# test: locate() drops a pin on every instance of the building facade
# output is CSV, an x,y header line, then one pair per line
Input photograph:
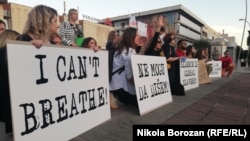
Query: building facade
x,y
178,19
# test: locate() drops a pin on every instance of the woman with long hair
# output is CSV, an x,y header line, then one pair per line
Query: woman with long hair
x,y
173,64
40,25
122,82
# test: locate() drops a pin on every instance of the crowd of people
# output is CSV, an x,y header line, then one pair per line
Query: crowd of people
x,y
42,28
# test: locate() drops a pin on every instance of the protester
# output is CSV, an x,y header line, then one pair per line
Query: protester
x,y
2,26
111,38
227,65
8,34
173,65
4,82
56,39
201,55
41,23
181,48
70,31
91,43
112,42
122,83
154,48
190,52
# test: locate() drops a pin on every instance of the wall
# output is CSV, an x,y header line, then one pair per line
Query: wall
x,y
98,31
18,16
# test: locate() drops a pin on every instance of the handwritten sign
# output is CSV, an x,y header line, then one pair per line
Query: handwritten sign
x,y
142,29
132,21
203,75
189,73
151,82
216,68
56,93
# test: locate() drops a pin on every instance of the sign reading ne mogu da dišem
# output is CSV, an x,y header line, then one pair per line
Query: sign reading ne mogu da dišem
x,y
151,82
58,92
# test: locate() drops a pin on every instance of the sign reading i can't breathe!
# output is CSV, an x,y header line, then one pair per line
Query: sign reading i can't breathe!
x,y
56,92
151,82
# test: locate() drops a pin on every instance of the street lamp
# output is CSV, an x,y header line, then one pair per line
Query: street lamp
x,y
247,42
245,20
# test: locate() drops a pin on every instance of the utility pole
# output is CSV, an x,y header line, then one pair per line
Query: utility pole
x,y
238,61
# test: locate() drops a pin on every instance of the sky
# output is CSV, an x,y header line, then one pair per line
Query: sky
x,y
218,14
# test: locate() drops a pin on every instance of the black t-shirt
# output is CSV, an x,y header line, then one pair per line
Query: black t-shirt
x,y
24,37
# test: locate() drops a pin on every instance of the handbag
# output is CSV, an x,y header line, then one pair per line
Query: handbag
x,y
168,63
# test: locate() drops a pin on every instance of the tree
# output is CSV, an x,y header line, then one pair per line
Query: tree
x,y
202,44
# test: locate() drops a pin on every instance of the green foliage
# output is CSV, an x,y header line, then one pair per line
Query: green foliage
x,y
202,44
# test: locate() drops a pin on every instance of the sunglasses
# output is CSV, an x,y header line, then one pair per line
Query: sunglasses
x,y
158,41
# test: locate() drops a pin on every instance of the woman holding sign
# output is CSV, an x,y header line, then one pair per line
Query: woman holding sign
x,y
173,65
122,82
91,43
40,25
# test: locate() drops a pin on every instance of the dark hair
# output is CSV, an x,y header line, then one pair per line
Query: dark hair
x,y
2,22
180,41
199,54
162,29
189,50
87,40
226,51
127,40
167,38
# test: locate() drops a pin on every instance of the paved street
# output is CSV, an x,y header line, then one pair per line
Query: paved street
x,y
224,101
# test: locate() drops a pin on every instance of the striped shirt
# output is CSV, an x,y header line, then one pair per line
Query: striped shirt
x,y
69,32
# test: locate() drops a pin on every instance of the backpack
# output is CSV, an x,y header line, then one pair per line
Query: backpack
x,y
111,52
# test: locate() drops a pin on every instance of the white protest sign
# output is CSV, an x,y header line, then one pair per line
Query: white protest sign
x,y
216,68
132,21
142,29
189,73
57,93
151,82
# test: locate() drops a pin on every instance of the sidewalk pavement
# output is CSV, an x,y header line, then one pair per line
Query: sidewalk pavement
x,y
224,101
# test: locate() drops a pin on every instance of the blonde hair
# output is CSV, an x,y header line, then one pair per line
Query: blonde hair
x,y
8,34
39,20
